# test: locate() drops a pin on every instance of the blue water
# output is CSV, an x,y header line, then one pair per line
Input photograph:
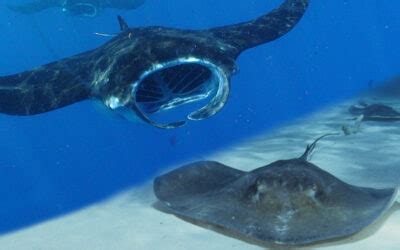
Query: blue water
x,y
62,161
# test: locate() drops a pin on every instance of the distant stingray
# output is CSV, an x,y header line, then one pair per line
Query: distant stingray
x,y
287,202
86,8
375,112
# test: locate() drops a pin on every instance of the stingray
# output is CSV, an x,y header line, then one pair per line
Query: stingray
x,y
375,112
85,8
287,202
145,71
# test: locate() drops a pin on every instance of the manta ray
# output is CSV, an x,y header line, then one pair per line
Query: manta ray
x,y
87,8
147,70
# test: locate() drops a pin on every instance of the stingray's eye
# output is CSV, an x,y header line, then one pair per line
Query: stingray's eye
x,y
170,90
82,9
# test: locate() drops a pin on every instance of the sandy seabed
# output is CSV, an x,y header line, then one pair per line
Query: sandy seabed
x,y
128,220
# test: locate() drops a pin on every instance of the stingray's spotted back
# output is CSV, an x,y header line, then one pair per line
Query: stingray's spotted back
x,y
290,202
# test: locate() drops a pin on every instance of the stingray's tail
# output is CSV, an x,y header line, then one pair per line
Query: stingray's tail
x,y
310,147
265,28
34,6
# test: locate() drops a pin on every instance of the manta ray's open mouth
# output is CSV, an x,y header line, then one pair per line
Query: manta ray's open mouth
x,y
170,85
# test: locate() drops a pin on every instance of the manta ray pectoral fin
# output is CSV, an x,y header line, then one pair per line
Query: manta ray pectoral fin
x,y
46,88
34,6
265,28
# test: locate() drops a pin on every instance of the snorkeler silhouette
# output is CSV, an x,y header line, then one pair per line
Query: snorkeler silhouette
x,y
85,8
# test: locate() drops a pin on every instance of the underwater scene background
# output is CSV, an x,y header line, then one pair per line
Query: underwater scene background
x,y
58,162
